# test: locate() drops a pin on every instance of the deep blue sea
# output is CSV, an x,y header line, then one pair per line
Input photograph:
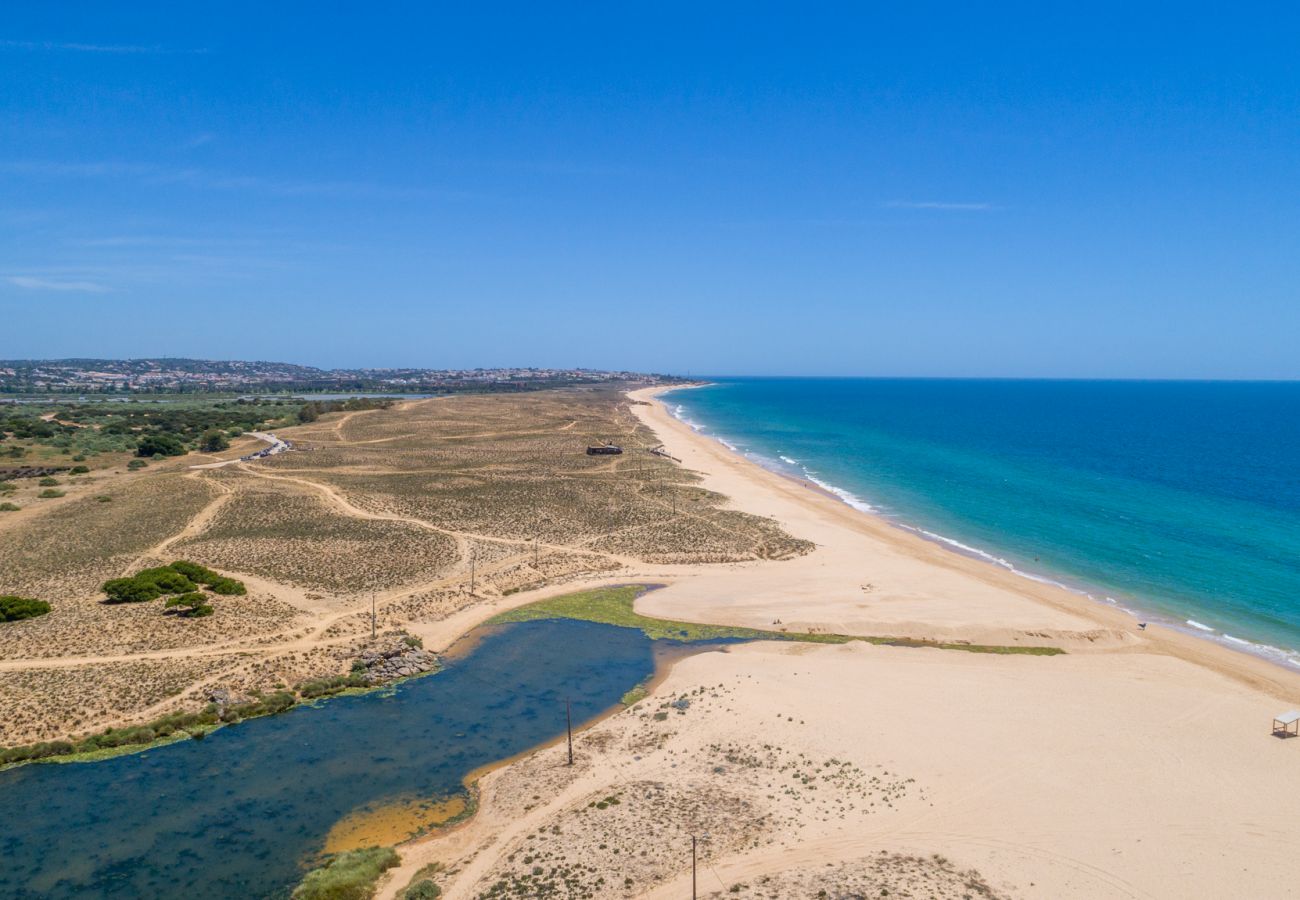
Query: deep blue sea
x,y
1178,500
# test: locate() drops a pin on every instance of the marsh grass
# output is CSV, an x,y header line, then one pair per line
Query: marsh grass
x,y
347,876
614,606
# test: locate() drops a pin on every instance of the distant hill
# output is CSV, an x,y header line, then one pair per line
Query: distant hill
x,y
176,374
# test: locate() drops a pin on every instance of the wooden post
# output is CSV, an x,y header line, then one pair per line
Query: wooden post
x,y
568,725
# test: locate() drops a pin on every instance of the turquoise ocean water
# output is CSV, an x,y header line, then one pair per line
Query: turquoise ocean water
x,y
1177,500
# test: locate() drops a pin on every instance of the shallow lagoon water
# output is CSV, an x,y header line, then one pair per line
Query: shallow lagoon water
x,y
246,810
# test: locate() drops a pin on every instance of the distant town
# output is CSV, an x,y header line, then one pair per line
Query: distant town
x,y
175,375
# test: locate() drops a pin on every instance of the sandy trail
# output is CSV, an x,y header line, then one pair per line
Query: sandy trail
x,y
201,520
336,499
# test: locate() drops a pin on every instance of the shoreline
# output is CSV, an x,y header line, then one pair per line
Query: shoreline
x,y
1240,663
1286,658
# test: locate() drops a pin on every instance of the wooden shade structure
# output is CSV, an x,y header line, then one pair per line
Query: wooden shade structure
x,y
1287,724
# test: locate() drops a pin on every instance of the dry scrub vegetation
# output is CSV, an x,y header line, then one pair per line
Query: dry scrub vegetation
x,y
883,875
672,767
397,502
278,532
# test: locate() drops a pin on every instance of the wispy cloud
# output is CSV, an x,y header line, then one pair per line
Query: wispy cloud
x,y
33,283
940,204
54,169
77,47
206,179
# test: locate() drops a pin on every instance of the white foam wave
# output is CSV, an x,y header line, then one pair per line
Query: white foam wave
x,y
848,497
1267,651
968,550
679,413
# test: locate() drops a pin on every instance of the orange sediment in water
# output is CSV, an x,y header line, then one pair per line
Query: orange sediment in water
x,y
392,823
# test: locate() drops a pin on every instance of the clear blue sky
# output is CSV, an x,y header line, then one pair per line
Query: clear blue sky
x,y
714,188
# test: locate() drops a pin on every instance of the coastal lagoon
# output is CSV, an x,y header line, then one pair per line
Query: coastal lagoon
x,y
1179,500
245,811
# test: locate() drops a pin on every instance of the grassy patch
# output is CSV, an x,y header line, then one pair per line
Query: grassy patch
x,y
613,606
422,885
636,695
347,876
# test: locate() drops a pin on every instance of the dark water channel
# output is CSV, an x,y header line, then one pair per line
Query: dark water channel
x,y
241,813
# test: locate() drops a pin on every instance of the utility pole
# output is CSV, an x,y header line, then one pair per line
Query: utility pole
x,y
372,615
568,725
692,867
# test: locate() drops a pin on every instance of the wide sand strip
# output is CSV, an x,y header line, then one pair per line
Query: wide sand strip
x,y
1139,764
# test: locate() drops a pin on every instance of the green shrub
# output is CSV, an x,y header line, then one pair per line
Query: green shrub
x,y
14,608
213,441
159,445
228,587
50,494
219,584
347,876
193,571
190,606
421,890
166,579
323,687
136,464
79,470
103,498
129,590
7,487
43,750
9,507
47,481
180,577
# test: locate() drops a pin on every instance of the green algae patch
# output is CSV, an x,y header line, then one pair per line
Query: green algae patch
x,y
614,606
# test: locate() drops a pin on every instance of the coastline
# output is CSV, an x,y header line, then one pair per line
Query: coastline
x,y
1197,642
1129,766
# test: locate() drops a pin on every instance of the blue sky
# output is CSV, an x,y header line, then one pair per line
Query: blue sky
x,y
707,188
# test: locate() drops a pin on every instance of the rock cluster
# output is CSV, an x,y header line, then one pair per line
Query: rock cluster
x,y
396,661
223,697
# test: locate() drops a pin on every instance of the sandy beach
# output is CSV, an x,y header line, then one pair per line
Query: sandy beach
x,y
1137,764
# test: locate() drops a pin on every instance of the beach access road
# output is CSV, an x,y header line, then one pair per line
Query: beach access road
x,y
276,446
